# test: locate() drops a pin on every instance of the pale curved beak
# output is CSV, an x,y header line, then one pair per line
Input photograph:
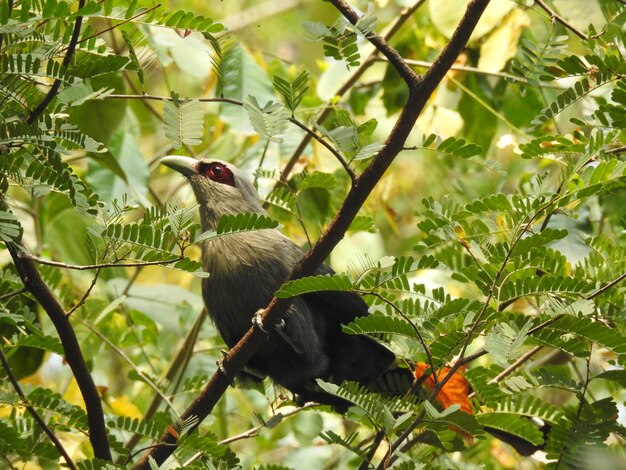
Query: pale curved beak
x,y
184,165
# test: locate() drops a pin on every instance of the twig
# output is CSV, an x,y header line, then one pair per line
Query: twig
x,y
86,294
54,89
255,430
559,19
33,412
513,367
420,338
616,150
129,361
73,355
252,432
13,294
378,438
381,45
465,68
87,267
603,289
330,148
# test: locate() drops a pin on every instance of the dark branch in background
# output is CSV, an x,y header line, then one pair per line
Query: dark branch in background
x,y
33,412
420,90
54,89
73,355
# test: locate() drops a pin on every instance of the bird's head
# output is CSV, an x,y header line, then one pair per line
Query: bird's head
x,y
220,188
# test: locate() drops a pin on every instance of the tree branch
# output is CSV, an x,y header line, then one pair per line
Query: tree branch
x,y
73,355
419,93
33,412
54,89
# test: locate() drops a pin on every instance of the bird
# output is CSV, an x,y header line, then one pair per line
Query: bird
x,y
247,268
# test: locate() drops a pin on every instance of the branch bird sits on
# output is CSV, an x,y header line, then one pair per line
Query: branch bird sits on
x,y
246,268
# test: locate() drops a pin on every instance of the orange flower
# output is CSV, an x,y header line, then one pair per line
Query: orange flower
x,y
456,390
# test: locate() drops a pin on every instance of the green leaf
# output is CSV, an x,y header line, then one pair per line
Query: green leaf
x,y
183,122
505,341
234,223
378,409
304,285
10,227
293,91
242,77
512,424
453,417
380,324
270,121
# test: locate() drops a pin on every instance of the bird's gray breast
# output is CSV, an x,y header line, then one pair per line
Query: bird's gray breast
x,y
245,269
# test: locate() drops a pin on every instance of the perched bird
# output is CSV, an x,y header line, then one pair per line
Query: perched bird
x,y
247,268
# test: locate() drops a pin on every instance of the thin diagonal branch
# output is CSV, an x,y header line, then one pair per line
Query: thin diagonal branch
x,y
86,294
54,89
130,362
33,412
8,295
117,25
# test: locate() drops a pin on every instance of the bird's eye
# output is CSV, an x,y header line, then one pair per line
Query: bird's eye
x,y
219,173
217,170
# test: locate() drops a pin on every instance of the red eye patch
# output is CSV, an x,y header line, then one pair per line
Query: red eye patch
x,y
217,172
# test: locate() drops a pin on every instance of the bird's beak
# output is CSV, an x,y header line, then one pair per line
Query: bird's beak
x,y
184,165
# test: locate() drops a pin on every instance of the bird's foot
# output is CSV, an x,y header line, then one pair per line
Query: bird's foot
x,y
257,320
220,366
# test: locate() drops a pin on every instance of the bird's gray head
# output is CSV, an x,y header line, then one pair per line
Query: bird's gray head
x,y
220,188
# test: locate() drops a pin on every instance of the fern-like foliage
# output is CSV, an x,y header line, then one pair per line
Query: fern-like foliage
x,y
378,408
293,91
534,60
235,223
340,41
183,122
335,282
270,120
